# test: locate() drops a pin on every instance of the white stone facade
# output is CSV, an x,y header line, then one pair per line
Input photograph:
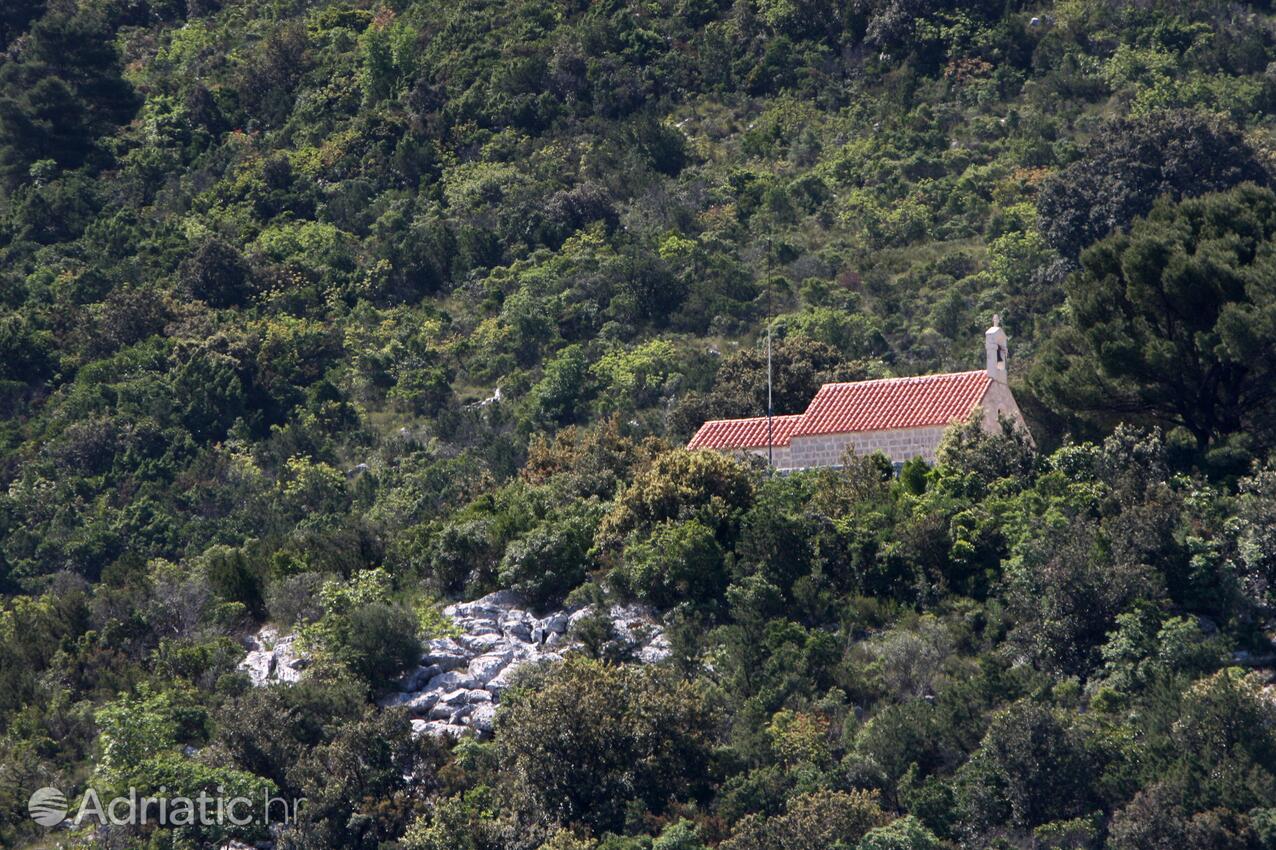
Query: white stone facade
x,y
829,450
998,402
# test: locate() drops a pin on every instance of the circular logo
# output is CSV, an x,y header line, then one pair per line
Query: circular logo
x,y
47,807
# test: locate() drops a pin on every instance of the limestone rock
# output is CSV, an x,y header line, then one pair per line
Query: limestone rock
x,y
455,689
556,623
484,668
498,641
452,681
445,653
272,657
438,728
481,719
655,651
415,680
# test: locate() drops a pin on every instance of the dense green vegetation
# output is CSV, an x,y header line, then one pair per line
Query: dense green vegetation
x,y
265,265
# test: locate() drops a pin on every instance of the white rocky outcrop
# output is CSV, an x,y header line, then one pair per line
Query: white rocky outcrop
x,y
272,657
460,680
455,688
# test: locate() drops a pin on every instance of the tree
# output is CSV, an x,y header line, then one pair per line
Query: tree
x,y
664,148
1132,162
210,392
970,458
800,366
48,121
172,775
906,833
422,388
1065,589
680,485
851,334
820,820
676,562
557,396
127,316
16,16
1153,820
1156,820
585,742
26,352
1224,742
356,784
1031,768
267,730
80,48
217,274
133,731
1175,321
64,91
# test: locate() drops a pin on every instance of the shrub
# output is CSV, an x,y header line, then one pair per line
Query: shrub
x,y
548,562
677,561
680,485
818,820
362,631
906,833
587,742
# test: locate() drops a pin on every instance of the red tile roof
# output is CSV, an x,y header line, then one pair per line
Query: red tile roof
x,y
881,405
893,403
744,433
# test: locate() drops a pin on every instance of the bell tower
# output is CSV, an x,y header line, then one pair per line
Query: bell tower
x,y
995,350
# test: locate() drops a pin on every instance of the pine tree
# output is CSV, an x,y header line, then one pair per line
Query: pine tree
x,y
1176,320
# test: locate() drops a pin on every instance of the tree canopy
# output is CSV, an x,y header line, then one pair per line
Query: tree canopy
x,y
1176,320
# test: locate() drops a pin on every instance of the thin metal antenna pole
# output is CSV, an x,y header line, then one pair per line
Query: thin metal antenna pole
x,y
770,459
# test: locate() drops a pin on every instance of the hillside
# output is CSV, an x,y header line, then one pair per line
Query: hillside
x,y
323,315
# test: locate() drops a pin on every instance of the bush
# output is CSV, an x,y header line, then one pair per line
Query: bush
x,y
382,642
815,821
362,631
295,599
587,742
679,835
677,561
233,578
549,561
217,274
1031,768
461,553
906,833
462,822
708,486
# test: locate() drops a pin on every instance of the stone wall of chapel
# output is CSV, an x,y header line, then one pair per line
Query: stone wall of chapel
x,y
999,400
899,445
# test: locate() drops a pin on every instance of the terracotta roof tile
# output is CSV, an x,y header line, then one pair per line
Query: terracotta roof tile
x,y
893,403
744,433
